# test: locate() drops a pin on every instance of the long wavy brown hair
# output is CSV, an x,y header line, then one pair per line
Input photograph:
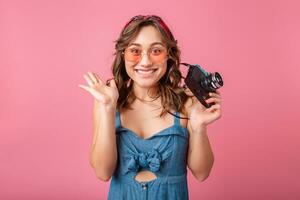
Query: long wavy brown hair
x,y
173,95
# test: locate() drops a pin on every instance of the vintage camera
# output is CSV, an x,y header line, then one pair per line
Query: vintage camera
x,y
201,82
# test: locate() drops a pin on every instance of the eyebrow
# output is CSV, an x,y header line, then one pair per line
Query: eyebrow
x,y
154,43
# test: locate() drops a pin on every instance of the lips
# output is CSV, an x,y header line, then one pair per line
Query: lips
x,y
145,72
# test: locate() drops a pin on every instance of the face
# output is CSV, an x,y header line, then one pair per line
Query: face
x,y
146,58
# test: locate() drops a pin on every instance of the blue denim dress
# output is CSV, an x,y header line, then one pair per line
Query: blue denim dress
x,y
164,154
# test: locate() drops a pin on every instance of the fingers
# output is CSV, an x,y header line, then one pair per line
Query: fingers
x,y
214,107
84,87
215,110
97,78
213,100
96,87
88,80
218,92
111,82
215,94
92,78
89,89
93,92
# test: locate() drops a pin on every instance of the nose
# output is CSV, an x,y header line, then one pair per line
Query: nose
x,y
145,61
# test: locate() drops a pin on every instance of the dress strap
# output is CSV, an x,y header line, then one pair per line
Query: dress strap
x,y
177,119
118,120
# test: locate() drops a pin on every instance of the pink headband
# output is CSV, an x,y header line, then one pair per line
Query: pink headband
x,y
151,17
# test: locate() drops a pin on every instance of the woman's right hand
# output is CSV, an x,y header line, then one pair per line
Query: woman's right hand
x,y
106,95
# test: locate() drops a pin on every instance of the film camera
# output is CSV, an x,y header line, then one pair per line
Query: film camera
x,y
201,82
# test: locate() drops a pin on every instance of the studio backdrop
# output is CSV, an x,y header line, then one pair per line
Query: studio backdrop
x,y
46,119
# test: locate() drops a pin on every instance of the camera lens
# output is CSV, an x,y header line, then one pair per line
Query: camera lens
x,y
213,81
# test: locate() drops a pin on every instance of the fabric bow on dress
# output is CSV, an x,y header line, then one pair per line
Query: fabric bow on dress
x,y
151,160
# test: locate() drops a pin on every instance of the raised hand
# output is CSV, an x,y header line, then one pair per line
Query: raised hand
x,y
107,95
201,116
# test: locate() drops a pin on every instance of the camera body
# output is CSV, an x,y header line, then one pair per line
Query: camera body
x,y
201,82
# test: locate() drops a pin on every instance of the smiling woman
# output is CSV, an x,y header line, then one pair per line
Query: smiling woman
x,y
149,52
146,67
142,138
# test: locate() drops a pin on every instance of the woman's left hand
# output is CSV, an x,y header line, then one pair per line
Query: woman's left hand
x,y
200,116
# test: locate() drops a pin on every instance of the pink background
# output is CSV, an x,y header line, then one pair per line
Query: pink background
x,y
46,119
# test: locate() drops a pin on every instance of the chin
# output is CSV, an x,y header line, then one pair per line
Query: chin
x,y
145,83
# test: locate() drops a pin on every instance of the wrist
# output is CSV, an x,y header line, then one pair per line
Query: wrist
x,y
107,108
201,128
103,107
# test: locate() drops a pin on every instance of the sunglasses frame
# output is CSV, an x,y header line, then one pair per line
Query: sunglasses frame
x,y
148,54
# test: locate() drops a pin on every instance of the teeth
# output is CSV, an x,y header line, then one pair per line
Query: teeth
x,y
145,71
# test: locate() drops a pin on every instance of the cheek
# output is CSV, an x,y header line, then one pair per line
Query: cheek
x,y
163,68
129,68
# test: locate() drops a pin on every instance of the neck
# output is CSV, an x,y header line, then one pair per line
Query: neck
x,y
145,94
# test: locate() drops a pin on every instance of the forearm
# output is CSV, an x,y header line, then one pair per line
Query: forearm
x,y
103,156
200,155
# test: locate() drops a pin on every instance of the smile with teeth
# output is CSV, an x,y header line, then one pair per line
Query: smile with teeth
x,y
148,71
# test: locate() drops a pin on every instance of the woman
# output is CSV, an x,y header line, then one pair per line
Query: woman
x,y
147,127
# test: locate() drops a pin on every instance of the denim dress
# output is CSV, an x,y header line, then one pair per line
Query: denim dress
x,y
164,154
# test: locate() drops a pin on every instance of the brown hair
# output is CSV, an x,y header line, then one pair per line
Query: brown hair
x,y
172,94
